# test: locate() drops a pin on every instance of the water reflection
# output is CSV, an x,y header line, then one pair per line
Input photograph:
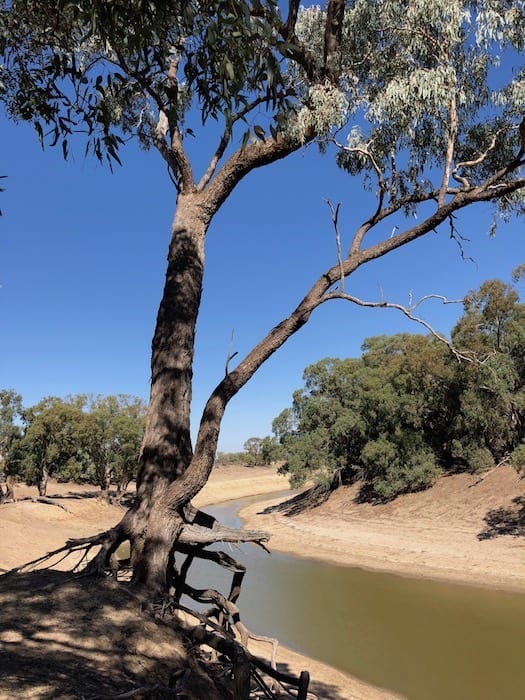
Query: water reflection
x,y
426,640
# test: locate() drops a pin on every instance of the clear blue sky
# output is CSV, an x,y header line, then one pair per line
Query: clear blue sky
x,y
82,255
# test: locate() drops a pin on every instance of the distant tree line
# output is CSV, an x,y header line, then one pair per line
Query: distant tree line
x,y
79,438
409,409
257,452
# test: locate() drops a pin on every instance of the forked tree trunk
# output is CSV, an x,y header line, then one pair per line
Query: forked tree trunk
x,y
170,475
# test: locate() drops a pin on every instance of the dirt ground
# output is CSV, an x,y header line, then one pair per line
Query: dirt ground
x,y
64,638
68,638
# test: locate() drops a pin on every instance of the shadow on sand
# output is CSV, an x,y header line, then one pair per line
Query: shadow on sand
x,y
505,521
64,636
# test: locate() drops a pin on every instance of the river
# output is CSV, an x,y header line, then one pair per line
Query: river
x,y
424,639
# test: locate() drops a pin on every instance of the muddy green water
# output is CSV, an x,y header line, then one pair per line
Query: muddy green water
x,y
423,639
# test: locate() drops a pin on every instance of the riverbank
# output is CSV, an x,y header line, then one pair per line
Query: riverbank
x,y
463,530
29,529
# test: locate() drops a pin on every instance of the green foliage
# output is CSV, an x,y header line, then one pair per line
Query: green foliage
x,y
253,447
226,458
96,439
10,429
118,424
489,393
407,408
270,450
55,440
517,458
109,68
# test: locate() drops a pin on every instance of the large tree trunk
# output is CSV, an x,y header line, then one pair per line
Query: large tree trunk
x,y
170,475
153,526
166,449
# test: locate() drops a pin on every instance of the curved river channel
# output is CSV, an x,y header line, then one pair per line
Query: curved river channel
x,y
423,639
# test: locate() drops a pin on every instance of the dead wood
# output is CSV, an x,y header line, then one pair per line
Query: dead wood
x,y
306,500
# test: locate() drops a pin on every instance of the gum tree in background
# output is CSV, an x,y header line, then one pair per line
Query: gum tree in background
x,y
10,431
55,441
118,429
398,91
406,410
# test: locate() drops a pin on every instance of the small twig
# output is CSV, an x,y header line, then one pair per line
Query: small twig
x,y
229,354
123,696
334,212
456,236
408,312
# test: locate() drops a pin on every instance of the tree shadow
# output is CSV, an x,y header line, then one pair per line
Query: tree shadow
x,y
77,495
65,636
505,521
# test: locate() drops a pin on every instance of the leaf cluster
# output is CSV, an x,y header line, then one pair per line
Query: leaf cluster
x,y
108,69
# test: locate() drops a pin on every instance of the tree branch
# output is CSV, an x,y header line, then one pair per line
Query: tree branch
x,y
184,170
333,33
476,161
295,50
225,140
246,159
334,213
198,471
452,133
408,312
159,139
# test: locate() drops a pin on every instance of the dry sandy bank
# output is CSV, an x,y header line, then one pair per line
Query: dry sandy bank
x,y
464,530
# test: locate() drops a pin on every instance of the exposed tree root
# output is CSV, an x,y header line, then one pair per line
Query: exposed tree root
x,y
308,499
219,630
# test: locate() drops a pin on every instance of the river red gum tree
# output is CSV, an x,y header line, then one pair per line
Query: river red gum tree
x,y
409,78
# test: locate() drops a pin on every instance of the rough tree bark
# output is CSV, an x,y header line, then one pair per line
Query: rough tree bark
x,y
42,482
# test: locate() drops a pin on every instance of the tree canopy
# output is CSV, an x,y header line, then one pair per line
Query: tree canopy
x,y
94,439
408,409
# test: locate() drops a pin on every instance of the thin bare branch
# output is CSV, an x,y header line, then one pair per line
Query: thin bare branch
x,y
366,154
356,242
229,354
159,139
382,214
408,311
334,212
475,161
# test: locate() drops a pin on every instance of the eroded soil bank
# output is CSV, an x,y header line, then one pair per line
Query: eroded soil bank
x,y
465,529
